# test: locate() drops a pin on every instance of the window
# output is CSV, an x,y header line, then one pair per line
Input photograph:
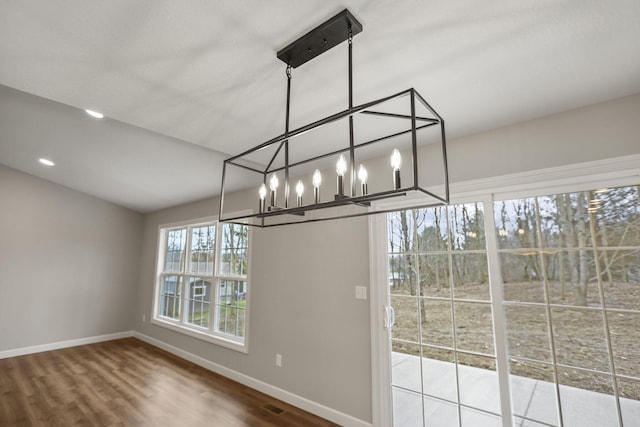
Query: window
x,y
202,281
538,317
569,266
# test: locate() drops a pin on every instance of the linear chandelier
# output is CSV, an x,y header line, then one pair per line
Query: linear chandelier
x,y
364,148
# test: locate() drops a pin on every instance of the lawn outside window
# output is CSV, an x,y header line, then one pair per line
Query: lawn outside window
x,y
202,282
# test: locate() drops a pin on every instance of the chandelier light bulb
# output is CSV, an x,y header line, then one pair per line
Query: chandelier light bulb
x,y
299,191
341,169
262,192
317,179
273,182
273,185
341,165
396,163
362,176
396,159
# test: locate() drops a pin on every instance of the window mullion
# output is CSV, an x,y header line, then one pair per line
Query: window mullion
x,y
552,342
185,275
605,316
495,285
454,331
212,306
216,272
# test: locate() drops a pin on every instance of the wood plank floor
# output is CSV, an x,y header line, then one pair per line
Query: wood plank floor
x,y
130,383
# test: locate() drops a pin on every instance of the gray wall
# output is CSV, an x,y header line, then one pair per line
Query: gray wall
x,y
69,263
606,130
303,276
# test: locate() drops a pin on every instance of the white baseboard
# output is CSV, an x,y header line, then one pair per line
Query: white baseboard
x,y
288,397
64,344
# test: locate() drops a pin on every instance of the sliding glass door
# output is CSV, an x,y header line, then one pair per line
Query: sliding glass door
x,y
522,311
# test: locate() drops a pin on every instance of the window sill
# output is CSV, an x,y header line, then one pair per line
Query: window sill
x,y
231,344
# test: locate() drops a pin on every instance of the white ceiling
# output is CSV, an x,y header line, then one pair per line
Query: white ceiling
x,y
185,84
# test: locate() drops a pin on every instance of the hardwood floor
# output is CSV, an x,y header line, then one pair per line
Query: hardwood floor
x,y
130,383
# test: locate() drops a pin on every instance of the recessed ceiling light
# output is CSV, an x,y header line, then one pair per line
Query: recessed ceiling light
x,y
94,114
46,162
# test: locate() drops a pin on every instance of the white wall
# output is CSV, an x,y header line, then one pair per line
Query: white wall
x,y
69,263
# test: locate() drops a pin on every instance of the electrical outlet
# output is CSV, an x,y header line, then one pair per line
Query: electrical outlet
x,y
361,292
279,360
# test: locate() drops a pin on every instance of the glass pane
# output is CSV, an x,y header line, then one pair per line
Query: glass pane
x,y
533,392
432,229
624,330
516,223
565,220
402,274
175,250
406,325
474,327
586,398
471,276
405,366
527,332
407,408
579,338
520,422
170,297
235,244
400,232
478,382
434,275
617,216
437,326
621,278
467,227
471,418
630,389
202,249
197,302
439,373
572,278
231,307
521,276
629,400
438,413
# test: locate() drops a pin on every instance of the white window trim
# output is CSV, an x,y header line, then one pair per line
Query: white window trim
x,y
615,172
240,345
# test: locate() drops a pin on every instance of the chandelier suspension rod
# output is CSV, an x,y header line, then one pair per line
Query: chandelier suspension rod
x,y
352,155
286,141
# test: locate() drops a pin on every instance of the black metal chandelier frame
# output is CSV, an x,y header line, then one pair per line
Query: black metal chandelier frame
x,y
332,32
